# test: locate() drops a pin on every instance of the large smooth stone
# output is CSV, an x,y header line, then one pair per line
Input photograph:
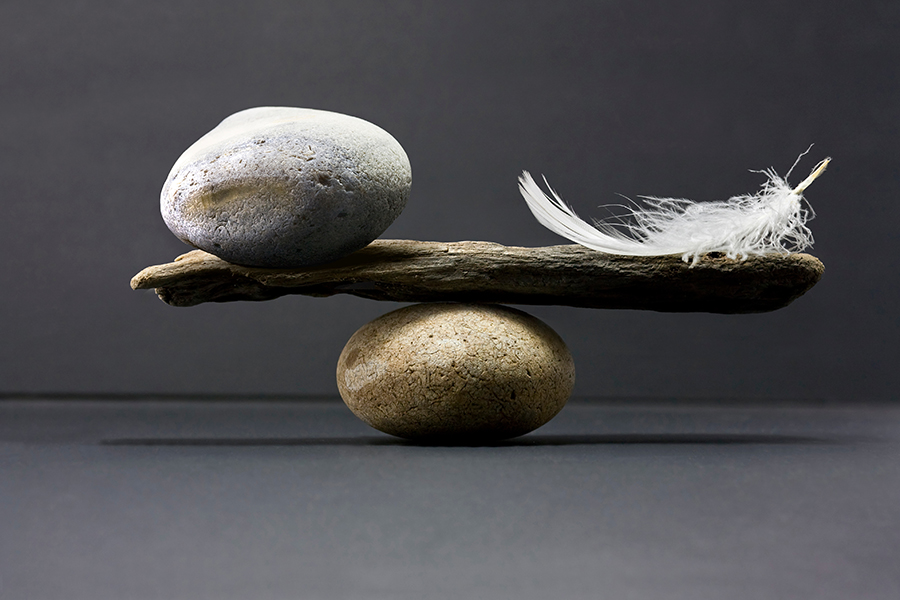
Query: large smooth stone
x,y
286,187
455,373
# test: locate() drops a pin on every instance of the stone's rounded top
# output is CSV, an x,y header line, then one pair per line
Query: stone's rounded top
x,y
286,187
274,121
455,373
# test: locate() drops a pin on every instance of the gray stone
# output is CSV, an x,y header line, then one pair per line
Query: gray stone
x,y
569,275
286,187
455,373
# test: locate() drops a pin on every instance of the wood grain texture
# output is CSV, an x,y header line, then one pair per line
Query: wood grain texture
x,y
569,275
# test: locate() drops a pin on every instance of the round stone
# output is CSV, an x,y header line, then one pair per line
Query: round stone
x,y
455,373
286,187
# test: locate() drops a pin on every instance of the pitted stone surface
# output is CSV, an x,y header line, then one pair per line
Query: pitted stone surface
x,y
455,373
286,187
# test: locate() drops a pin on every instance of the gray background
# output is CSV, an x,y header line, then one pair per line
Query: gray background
x,y
99,98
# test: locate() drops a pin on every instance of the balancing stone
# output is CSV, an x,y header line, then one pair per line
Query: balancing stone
x,y
286,187
455,373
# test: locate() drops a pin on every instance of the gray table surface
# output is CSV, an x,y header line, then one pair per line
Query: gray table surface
x,y
168,499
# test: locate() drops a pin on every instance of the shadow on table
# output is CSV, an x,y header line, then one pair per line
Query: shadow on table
x,y
531,440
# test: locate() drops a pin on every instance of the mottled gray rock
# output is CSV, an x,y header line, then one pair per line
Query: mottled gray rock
x,y
455,373
569,275
286,187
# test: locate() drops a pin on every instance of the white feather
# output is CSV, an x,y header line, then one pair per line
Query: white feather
x,y
772,220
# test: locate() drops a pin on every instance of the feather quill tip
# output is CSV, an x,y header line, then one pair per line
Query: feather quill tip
x,y
817,170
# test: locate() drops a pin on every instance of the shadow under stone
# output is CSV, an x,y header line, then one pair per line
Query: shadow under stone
x,y
536,440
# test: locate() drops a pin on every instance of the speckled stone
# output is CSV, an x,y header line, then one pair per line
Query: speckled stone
x,y
455,373
286,187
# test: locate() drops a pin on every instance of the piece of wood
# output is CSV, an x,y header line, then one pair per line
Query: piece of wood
x,y
569,275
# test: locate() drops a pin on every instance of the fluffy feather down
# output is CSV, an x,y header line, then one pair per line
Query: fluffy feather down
x,y
772,220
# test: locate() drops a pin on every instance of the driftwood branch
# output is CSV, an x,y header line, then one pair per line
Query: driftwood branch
x,y
570,275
